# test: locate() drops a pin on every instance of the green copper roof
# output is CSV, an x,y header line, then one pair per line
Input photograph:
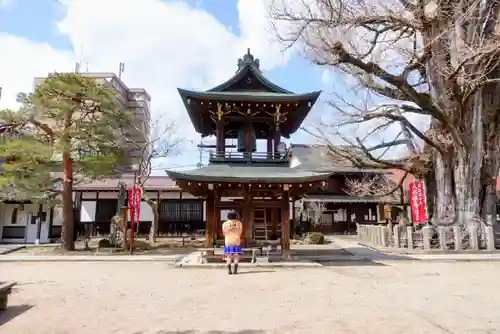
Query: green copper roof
x,y
248,65
216,172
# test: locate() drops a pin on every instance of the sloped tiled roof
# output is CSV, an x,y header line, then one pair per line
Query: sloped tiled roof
x,y
248,173
317,158
152,183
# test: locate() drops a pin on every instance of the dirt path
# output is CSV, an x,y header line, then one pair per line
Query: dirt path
x,y
126,298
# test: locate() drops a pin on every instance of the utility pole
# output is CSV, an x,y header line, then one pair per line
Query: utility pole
x,y
121,69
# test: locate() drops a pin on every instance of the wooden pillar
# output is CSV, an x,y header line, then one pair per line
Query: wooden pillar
x,y
217,228
274,220
285,224
220,145
269,144
294,219
247,217
210,212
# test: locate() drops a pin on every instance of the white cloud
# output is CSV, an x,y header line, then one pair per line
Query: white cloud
x,y
164,45
6,3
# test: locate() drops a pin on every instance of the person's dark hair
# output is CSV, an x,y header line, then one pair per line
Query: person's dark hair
x,y
232,215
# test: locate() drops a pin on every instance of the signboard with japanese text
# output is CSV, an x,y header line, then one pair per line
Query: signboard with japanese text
x,y
417,202
134,203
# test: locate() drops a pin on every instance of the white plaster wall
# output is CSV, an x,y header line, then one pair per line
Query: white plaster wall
x,y
58,216
89,195
21,215
172,194
146,213
204,210
188,196
88,211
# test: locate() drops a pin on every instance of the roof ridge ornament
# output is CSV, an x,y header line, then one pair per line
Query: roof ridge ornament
x,y
248,59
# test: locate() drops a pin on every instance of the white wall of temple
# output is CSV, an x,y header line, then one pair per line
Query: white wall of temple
x,y
89,203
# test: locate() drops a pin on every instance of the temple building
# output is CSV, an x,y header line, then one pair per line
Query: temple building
x,y
340,210
261,186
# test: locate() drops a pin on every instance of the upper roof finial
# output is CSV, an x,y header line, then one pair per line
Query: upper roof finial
x,y
248,59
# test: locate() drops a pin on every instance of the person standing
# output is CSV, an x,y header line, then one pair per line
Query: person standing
x,y
232,230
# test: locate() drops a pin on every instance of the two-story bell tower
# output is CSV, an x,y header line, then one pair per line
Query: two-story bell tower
x,y
259,185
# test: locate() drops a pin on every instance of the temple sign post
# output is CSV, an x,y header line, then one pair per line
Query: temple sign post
x,y
220,137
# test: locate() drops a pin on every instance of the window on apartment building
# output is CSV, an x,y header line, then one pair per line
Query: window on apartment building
x,y
13,217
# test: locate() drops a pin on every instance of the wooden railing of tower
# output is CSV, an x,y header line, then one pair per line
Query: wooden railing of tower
x,y
249,156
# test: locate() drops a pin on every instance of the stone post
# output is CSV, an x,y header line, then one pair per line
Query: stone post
x,y
379,235
473,241
490,238
426,237
384,235
409,237
442,238
457,237
359,232
397,244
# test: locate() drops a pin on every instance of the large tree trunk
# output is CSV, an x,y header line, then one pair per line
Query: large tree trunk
x,y
67,236
444,202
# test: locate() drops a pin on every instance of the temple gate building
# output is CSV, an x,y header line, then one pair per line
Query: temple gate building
x,y
259,185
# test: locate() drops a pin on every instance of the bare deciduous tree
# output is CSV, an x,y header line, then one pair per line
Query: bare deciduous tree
x,y
427,61
163,143
312,211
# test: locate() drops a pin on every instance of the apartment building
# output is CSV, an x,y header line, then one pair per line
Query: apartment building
x,y
137,100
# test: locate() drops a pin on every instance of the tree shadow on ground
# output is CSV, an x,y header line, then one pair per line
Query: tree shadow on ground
x,y
255,272
244,331
12,312
373,254
357,263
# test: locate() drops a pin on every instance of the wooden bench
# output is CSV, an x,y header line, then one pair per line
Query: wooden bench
x,y
5,291
210,253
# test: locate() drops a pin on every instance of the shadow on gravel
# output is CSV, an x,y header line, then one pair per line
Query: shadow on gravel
x,y
255,272
12,312
245,331
360,263
376,255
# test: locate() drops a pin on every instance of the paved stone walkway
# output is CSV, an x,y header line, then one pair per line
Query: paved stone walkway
x,y
345,297
6,249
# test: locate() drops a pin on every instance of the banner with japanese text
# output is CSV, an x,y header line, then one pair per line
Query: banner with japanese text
x,y
417,202
134,203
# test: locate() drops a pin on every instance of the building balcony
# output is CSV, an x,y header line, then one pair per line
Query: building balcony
x,y
250,157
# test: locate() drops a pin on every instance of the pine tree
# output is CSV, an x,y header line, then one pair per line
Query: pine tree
x,y
71,131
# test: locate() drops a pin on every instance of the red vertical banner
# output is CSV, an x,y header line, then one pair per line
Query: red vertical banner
x,y
131,205
417,202
134,203
137,205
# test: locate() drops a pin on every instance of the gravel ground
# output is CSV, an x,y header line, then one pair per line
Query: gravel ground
x,y
141,298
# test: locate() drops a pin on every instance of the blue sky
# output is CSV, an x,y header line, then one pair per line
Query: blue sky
x,y
56,24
